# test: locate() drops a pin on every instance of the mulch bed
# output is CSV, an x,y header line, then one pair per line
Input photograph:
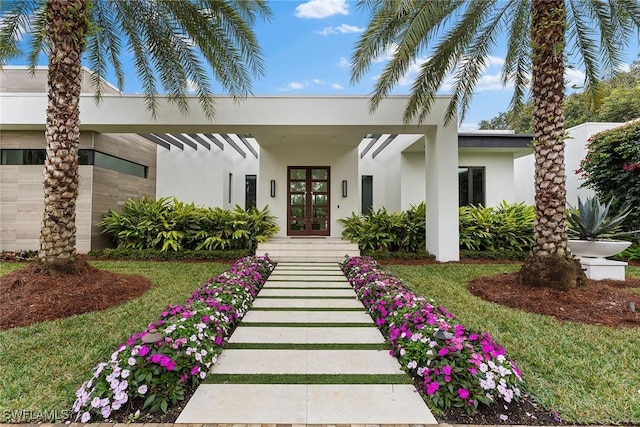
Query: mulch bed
x,y
31,296
601,302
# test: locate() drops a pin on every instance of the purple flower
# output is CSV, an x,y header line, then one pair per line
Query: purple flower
x,y
432,388
144,350
463,393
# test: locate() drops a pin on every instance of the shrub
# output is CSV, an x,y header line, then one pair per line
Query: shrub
x,y
507,227
379,230
165,224
612,169
155,254
156,366
454,366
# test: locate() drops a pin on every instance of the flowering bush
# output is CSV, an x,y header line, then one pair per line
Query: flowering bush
x,y
176,351
612,169
455,366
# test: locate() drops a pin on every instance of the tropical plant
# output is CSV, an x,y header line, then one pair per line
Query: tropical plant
x,y
506,227
379,230
167,223
458,37
591,220
174,43
612,169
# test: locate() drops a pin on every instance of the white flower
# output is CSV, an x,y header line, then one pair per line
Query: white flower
x,y
95,403
203,374
85,417
106,411
125,373
504,417
412,365
483,367
131,361
142,389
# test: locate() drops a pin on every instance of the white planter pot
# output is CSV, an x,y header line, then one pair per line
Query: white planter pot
x,y
597,248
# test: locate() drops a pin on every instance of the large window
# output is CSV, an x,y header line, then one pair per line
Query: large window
x,y
250,192
471,185
367,193
85,157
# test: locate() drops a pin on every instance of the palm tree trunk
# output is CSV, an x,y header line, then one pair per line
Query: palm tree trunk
x,y
551,263
66,26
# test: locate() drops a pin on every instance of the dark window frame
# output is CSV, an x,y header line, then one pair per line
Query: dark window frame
x,y
86,157
250,191
367,193
468,197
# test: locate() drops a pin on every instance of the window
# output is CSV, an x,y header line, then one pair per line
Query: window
x,y
471,185
250,191
367,193
230,185
85,157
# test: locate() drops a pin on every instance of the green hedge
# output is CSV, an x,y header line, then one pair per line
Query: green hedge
x,y
155,254
165,224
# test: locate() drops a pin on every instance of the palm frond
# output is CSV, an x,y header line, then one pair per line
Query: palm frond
x,y
517,62
16,20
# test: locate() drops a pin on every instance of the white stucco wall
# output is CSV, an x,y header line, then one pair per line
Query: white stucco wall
x,y
193,176
575,151
413,189
341,159
498,174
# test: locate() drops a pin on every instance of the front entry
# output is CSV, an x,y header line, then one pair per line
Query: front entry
x,y
308,198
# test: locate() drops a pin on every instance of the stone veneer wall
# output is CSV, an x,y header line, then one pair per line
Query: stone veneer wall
x,y
21,193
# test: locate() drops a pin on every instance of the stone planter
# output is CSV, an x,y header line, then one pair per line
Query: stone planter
x,y
597,248
592,256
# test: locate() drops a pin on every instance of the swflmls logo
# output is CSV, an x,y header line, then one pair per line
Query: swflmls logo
x,y
34,416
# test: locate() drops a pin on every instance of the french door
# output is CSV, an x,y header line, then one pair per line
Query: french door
x,y
308,213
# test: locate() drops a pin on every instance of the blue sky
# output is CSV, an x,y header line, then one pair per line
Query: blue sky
x,y
307,48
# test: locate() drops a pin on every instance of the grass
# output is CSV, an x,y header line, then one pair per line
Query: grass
x,y
43,365
588,373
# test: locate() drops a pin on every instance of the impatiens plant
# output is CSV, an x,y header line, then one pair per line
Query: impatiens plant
x,y
176,351
456,367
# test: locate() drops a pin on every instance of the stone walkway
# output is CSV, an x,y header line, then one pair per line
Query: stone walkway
x,y
306,353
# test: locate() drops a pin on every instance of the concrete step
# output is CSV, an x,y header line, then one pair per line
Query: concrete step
x,y
306,404
307,249
327,362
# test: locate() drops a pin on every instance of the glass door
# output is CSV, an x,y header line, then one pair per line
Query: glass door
x,y
308,198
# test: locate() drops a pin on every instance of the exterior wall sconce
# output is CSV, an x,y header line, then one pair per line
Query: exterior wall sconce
x,y
344,188
273,188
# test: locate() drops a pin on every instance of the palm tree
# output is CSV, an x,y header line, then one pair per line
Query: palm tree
x,y
171,41
459,35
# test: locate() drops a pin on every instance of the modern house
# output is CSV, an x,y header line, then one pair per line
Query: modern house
x,y
311,159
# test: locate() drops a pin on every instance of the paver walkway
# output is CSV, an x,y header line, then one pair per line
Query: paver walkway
x,y
307,353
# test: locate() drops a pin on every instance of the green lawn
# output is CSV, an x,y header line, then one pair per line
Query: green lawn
x,y
588,373
43,365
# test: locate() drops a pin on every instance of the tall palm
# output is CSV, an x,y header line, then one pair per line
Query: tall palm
x,y
175,43
459,36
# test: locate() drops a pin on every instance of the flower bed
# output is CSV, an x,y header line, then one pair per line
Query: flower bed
x,y
454,367
176,351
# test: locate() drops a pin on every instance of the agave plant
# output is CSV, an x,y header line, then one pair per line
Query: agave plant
x,y
592,220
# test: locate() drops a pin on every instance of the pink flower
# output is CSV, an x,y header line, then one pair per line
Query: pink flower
x,y
195,370
432,388
144,350
443,351
446,370
463,393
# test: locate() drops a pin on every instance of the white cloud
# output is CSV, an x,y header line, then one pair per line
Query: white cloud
x,y
294,86
387,54
574,77
336,86
342,29
317,81
191,86
319,9
343,62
